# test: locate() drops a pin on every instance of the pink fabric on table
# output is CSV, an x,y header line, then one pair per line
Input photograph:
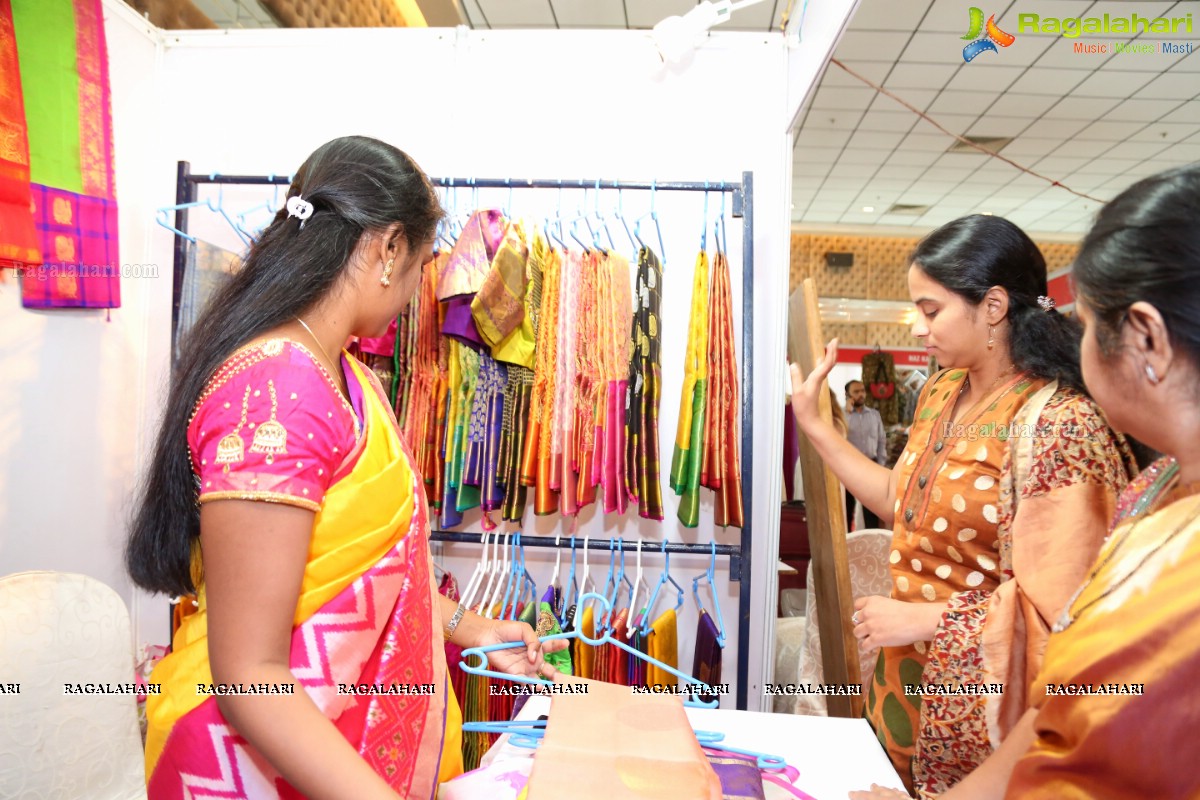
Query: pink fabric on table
x,y
271,425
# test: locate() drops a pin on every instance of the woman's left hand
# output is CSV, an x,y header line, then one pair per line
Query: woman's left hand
x,y
883,622
877,792
517,661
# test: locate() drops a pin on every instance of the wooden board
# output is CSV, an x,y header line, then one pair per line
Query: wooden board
x,y
823,495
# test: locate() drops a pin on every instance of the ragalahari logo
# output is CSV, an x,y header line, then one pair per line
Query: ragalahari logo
x,y
992,36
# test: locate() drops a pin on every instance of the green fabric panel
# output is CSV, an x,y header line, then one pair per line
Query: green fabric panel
x,y
896,719
46,49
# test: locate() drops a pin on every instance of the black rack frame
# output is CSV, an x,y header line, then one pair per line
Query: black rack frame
x,y
187,191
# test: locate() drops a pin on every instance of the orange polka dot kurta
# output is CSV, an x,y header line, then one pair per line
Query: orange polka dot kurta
x,y
953,543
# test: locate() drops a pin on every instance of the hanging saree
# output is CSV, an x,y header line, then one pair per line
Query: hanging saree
x,y
645,389
463,274
369,551
1127,640
563,442
589,378
19,244
662,645
721,466
482,456
68,112
967,534
615,321
689,434
536,461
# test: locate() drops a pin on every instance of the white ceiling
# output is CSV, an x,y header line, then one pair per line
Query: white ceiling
x,y
1095,123
236,13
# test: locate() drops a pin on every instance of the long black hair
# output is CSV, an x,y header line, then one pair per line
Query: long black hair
x,y
355,184
1145,245
971,255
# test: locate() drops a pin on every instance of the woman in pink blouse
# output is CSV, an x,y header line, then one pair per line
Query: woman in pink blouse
x,y
282,495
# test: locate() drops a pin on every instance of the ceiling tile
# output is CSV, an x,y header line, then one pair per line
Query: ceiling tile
x,y
949,102
926,142
990,125
1027,146
888,15
871,45
897,220
842,170
474,15
518,13
864,155
900,121
1137,150
843,99
913,158
1087,108
1083,147
751,18
1189,63
933,48
1189,112
818,216
649,14
955,123
874,71
987,77
811,169
940,174
1047,80
963,162
948,16
826,155
1143,110
1055,128
876,140
1168,132
1011,104
1189,151
816,137
1142,62
1112,85
590,13
1025,51
920,76
1171,86
893,170
832,120
1057,166
1110,131
917,98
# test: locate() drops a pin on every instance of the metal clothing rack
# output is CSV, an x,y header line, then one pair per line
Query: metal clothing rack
x,y
187,191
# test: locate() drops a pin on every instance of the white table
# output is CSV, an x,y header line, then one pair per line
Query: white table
x,y
834,756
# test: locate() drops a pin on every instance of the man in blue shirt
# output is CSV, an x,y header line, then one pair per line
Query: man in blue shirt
x,y
867,434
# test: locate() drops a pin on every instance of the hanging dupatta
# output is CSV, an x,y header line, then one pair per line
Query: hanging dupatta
x,y
645,383
618,345
67,96
689,435
19,244
722,460
564,444
535,466
588,379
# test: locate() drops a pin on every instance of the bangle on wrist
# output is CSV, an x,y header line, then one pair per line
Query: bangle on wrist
x,y
452,625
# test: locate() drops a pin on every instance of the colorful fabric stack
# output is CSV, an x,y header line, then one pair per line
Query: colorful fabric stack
x,y
64,84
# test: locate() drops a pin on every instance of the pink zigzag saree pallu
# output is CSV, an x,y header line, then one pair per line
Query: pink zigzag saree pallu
x,y
367,633
68,108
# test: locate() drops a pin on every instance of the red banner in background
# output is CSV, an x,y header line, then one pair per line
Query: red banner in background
x,y
1060,289
903,356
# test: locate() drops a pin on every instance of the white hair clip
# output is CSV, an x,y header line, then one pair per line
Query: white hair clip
x,y
299,208
1046,303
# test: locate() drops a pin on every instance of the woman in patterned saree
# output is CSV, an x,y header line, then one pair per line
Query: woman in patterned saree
x,y
998,503
282,495
1114,708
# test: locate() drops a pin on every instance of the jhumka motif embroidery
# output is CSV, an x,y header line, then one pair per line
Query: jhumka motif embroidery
x,y
271,436
231,449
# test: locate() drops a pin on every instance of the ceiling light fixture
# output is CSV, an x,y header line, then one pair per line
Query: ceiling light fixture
x,y
676,37
868,209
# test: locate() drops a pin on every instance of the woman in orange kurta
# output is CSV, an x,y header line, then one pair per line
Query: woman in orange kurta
x,y
1006,452
282,495
1114,708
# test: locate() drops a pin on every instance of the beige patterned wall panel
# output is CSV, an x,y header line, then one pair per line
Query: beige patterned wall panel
x,y
889,267
800,268
1058,255
852,282
890,335
845,334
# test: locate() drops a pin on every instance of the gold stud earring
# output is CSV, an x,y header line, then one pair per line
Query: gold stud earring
x,y
991,337
386,280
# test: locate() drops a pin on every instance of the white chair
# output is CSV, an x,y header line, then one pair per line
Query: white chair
x,y
57,629
867,557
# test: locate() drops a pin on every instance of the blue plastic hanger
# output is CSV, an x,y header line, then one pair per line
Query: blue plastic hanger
x,y
481,667
663,580
271,206
510,578
704,226
570,589
653,215
633,242
709,576
529,586
616,587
